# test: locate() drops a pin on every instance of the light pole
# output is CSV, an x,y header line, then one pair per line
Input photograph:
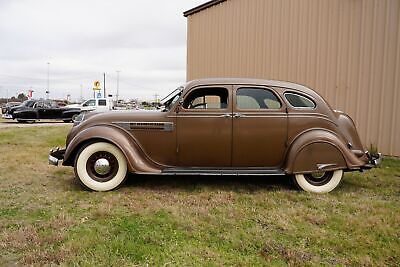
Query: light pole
x,y
118,71
48,80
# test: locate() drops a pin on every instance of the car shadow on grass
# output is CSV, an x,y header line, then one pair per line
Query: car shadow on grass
x,y
215,183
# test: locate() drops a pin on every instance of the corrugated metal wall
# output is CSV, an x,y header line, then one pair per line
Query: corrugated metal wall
x,y
347,50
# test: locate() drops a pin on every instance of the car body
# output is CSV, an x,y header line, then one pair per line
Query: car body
x,y
32,110
220,127
95,104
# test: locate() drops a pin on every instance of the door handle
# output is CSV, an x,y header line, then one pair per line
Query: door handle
x,y
237,115
227,115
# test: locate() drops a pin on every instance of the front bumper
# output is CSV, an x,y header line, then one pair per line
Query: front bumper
x,y
56,155
7,116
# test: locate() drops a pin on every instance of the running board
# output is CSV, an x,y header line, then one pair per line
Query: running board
x,y
224,171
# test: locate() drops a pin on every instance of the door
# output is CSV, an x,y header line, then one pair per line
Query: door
x,y
259,127
204,127
43,110
55,112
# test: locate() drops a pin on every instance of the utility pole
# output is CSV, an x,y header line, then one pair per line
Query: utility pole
x,y
156,98
48,80
118,71
81,93
104,77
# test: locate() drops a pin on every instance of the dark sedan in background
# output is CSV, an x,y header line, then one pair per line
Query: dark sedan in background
x,y
32,110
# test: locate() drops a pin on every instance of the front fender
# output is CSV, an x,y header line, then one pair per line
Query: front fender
x,y
319,150
137,160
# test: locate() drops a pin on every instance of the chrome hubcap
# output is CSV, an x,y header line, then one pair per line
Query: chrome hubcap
x,y
318,175
102,166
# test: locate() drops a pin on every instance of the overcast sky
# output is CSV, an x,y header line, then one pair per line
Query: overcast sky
x,y
81,39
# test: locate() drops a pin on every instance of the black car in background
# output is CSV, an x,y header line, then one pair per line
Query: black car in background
x,y
32,110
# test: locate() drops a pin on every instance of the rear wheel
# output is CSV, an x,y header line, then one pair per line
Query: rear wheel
x,y
101,166
319,182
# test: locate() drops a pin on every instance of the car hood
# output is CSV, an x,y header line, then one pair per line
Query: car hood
x,y
15,108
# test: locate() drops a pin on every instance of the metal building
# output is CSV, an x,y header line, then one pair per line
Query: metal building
x,y
347,50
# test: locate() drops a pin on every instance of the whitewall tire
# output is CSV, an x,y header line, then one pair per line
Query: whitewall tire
x,y
101,166
319,183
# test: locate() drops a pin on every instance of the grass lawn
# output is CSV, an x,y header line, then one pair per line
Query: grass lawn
x,y
46,217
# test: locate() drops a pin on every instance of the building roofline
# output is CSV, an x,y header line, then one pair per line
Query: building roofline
x,y
202,7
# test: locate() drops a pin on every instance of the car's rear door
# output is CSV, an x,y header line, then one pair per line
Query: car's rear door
x,y
259,127
204,127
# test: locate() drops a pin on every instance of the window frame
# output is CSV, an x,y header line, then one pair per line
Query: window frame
x,y
278,97
302,95
185,96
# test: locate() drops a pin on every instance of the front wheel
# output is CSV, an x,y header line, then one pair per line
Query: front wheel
x,y
319,182
101,166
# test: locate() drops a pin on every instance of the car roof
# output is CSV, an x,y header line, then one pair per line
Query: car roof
x,y
248,81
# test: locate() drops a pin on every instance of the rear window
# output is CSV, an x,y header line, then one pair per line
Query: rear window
x,y
102,102
299,101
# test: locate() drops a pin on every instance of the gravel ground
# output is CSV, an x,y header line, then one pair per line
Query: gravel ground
x,y
15,124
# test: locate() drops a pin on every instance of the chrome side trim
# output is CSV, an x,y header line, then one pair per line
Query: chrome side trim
x,y
141,125
324,166
308,114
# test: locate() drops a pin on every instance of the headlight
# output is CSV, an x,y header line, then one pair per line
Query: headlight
x,y
78,119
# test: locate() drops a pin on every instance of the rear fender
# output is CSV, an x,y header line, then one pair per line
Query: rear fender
x,y
136,158
319,150
69,113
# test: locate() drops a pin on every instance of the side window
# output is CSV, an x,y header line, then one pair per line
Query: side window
x,y
299,101
102,102
89,103
207,98
39,105
256,98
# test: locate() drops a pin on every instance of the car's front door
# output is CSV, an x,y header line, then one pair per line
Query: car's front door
x,y
259,127
204,127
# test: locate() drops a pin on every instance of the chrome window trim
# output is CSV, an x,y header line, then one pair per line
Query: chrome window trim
x,y
302,95
267,88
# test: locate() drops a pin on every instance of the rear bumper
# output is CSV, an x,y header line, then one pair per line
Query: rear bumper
x,y
374,160
56,155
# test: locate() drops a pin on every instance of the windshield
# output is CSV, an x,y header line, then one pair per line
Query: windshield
x,y
172,98
28,103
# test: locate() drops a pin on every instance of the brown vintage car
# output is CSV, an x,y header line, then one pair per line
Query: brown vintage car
x,y
220,127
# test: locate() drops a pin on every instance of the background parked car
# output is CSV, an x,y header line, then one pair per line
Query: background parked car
x,y
98,104
33,110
